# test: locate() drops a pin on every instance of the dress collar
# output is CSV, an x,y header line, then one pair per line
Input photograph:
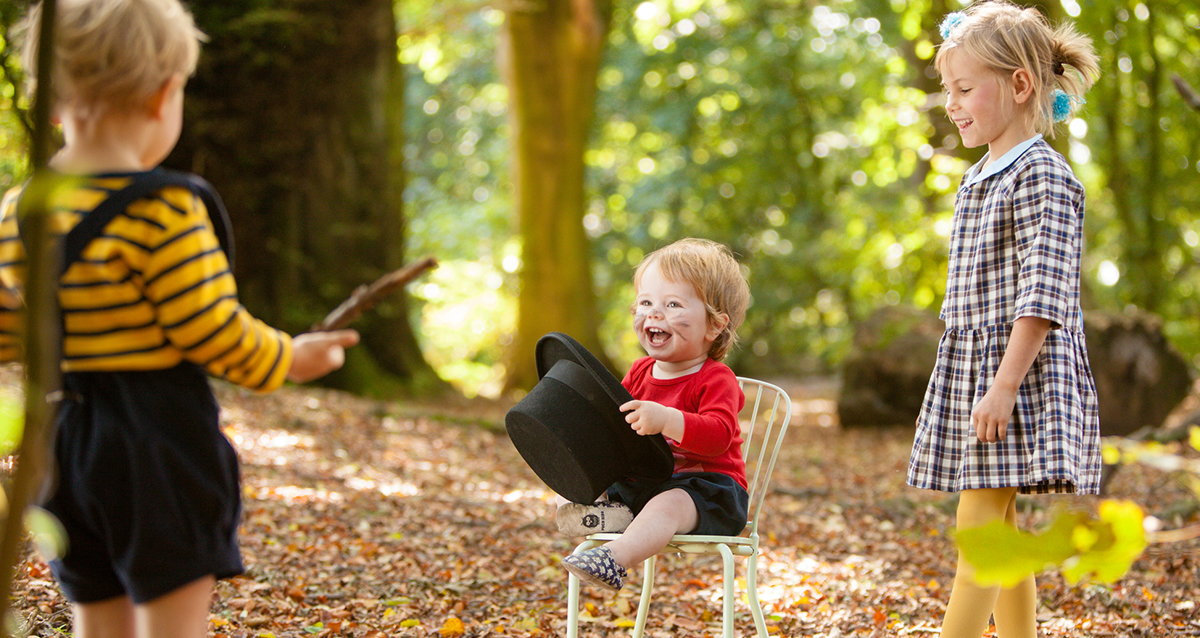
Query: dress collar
x,y
975,175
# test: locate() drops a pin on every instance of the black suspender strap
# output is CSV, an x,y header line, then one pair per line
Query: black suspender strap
x,y
142,185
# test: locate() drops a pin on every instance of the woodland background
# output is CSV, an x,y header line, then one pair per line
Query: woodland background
x,y
539,149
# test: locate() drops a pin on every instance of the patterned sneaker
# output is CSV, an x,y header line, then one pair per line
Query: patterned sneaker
x,y
575,519
596,566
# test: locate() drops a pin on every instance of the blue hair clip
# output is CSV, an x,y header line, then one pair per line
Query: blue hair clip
x,y
952,20
1062,105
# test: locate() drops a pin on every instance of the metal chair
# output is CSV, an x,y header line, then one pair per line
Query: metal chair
x,y
764,423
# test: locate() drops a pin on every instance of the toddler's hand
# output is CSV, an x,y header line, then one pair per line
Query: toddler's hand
x,y
648,417
991,415
316,354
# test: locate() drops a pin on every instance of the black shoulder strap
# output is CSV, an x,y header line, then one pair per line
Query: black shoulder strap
x,y
142,185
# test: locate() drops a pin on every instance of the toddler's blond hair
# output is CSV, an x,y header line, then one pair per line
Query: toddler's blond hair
x,y
717,277
113,54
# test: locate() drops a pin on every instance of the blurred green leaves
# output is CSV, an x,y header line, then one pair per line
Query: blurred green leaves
x,y
12,424
47,532
1101,546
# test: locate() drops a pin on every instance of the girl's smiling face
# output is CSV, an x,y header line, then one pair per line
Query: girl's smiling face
x,y
671,321
984,106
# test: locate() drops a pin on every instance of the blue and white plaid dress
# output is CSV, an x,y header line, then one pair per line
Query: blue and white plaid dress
x,y
1014,252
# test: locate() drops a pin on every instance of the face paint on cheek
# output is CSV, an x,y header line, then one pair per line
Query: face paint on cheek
x,y
639,316
679,327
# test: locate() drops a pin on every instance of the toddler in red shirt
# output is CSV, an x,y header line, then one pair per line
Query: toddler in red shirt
x,y
691,298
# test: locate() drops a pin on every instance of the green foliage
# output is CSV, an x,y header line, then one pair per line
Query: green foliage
x,y
13,107
807,136
788,131
458,197
1138,151
756,125
1102,546
466,306
47,532
12,424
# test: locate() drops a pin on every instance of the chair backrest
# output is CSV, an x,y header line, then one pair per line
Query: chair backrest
x,y
764,419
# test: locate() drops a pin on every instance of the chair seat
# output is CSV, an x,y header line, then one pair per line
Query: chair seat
x,y
698,544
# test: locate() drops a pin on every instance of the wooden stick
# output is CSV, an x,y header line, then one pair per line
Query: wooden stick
x,y
367,297
1190,96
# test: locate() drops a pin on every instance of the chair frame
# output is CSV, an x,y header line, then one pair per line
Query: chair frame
x,y
768,417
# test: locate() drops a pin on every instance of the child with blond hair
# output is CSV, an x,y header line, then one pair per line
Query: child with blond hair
x,y
1011,406
147,484
691,297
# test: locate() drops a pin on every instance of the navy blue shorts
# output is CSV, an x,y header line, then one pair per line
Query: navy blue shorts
x,y
722,504
147,485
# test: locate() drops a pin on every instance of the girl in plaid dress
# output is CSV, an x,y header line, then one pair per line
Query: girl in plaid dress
x,y
1011,405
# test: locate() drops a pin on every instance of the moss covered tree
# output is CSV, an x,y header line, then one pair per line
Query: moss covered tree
x,y
295,116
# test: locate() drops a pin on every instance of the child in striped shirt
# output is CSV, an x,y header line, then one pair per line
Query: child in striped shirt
x,y
147,485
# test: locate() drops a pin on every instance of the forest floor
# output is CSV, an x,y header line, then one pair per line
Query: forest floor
x,y
364,518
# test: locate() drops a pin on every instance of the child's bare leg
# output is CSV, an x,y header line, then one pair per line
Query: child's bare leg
x,y
1016,607
183,613
971,605
112,618
667,514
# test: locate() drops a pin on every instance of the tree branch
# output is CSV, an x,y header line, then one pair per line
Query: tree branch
x,y
367,297
1190,96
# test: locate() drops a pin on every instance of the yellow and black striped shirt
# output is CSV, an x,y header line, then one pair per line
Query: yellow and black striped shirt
x,y
153,289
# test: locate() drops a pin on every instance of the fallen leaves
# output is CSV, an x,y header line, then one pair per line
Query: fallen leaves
x,y
362,521
452,628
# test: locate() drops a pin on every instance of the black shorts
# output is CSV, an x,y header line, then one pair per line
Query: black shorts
x,y
147,486
722,504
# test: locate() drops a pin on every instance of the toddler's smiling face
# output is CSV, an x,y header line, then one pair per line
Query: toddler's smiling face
x,y
670,319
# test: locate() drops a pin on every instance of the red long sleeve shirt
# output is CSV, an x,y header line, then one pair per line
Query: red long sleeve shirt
x,y
710,400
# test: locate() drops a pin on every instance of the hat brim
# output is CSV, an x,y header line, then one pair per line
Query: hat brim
x,y
650,456
570,428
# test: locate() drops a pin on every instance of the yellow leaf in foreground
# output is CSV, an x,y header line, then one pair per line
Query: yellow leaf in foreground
x,y
452,628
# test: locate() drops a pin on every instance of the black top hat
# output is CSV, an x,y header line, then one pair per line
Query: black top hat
x,y
571,431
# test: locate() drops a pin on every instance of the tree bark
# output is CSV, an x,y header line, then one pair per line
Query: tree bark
x,y
550,56
295,117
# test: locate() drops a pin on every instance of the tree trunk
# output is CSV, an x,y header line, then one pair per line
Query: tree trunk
x,y
550,57
294,115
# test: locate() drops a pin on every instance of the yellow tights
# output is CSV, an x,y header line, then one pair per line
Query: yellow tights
x,y
1015,609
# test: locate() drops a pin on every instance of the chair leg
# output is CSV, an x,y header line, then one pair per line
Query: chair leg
x,y
760,623
728,617
572,606
573,594
639,625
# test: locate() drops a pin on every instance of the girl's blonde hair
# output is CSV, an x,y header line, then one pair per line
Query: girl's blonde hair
x,y
113,53
1006,37
717,277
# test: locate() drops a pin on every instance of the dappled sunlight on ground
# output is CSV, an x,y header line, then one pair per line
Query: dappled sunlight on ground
x,y
364,520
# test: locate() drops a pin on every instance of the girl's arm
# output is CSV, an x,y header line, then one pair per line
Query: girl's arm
x,y
991,415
